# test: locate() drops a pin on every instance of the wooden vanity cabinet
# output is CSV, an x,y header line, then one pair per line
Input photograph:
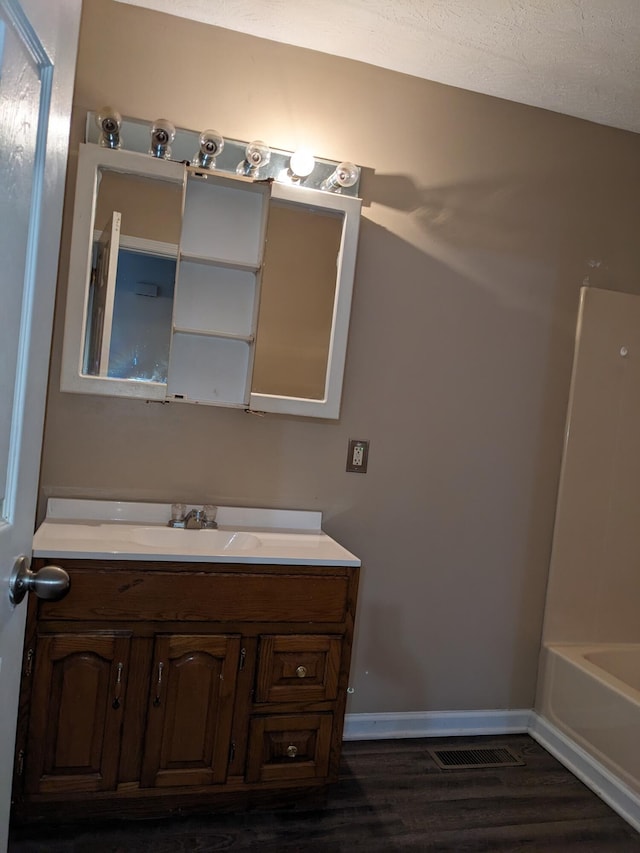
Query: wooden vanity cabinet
x,y
156,688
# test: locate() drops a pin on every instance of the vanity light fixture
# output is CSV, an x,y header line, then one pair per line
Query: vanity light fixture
x,y
301,164
109,122
162,135
210,144
257,154
255,160
344,175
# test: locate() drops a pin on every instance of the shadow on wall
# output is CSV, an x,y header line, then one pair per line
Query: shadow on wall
x,y
547,215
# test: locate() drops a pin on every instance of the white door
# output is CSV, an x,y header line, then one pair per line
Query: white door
x,y
38,44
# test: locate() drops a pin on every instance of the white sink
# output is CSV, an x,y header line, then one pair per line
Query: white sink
x,y
210,541
115,530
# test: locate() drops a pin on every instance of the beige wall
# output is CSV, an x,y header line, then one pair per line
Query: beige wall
x,y
481,221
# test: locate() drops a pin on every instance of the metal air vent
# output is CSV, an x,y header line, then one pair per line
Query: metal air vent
x,y
463,758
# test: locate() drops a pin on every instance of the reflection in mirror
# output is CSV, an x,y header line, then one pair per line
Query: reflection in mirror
x,y
297,297
130,302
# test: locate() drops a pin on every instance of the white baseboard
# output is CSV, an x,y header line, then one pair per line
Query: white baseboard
x,y
595,775
435,724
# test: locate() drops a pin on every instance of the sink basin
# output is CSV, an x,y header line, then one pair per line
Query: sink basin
x,y
112,531
212,541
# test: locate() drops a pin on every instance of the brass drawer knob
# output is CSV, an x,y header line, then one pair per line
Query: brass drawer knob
x,y
301,671
292,751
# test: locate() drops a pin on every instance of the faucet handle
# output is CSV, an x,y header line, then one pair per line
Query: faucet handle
x,y
209,512
178,512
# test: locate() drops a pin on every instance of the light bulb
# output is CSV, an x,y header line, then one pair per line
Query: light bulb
x,y
257,154
162,135
344,175
109,122
210,144
301,164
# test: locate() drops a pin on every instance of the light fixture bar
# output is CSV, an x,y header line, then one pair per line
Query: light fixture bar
x,y
134,136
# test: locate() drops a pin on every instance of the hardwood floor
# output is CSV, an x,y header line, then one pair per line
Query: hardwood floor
x,y
391,796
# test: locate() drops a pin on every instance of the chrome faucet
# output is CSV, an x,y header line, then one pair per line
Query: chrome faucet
x,y
195,519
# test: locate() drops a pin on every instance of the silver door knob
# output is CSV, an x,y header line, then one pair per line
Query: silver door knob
x,y
49,583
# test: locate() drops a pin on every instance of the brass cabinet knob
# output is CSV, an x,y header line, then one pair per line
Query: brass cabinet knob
x,y
301,671
292,751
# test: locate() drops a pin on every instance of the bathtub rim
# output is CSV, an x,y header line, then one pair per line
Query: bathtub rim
x,y
575,654
598,769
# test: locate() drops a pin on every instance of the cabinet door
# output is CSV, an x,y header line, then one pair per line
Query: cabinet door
x,y
190,710
77,703
305,302
117,345
216,298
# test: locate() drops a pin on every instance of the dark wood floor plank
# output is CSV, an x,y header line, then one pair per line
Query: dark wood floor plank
x,y
392,796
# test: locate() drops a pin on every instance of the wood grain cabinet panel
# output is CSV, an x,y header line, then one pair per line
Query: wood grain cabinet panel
x,y
161,687
78,699
287,747
298,668
121,594
190,710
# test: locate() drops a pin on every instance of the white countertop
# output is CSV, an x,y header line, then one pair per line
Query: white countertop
x,y
118,530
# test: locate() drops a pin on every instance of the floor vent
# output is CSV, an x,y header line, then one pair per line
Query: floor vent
x,y
463,758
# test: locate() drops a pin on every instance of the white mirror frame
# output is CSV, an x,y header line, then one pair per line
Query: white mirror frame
x,y
90,159
329,405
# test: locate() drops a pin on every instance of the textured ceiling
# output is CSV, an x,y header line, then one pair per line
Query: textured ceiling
x,y
579,57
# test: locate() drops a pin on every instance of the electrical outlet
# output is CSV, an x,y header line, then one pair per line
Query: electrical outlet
x,y
358,455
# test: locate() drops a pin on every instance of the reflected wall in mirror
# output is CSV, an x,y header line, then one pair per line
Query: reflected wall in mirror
x,y
305,302
297,298
130,302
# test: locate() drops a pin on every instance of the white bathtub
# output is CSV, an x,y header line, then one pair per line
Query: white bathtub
x,y
591,693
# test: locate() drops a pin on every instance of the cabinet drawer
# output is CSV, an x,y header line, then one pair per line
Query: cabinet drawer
x,y
298,668
289,747
188,595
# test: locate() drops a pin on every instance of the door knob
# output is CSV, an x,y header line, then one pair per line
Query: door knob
x,y
49,583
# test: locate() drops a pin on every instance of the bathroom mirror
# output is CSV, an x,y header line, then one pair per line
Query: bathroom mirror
x,y
131,284
122,269
305,301
296,301
210,289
